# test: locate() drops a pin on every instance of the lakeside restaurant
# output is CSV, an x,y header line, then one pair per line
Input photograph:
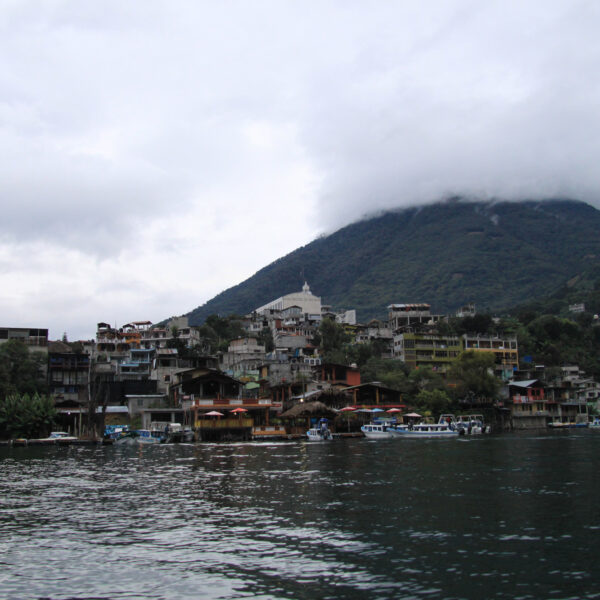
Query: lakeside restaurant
x,y
219,407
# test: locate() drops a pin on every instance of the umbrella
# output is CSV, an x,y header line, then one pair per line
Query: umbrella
x,y
347,408
363,410
213,413
239,410
413,414
378,410
393,410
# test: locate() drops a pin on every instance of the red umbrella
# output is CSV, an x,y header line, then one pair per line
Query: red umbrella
x,y
347,408
238,410
393,410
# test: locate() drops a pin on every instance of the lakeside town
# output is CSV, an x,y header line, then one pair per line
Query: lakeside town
x,y
279,377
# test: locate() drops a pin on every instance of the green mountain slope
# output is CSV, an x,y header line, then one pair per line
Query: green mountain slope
x,y
494,254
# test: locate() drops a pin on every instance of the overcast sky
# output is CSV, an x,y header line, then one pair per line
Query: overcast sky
x,y
154,153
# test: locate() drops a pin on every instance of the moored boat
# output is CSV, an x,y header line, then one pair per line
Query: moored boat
x,y
378,431
320,432
427,430
472,424
149,436
567,424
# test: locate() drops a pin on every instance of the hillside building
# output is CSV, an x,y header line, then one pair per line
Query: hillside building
x,y
408,317
505,350
418,350
35,339
305,300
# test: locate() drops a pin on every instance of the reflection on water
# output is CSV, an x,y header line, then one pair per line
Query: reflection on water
x,y
512,516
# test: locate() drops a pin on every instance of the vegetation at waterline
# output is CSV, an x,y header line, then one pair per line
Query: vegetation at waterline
x,y
25,416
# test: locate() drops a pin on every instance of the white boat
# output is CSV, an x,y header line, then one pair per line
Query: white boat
x,y
62,436
378,431
472,424
427,430
320,432
149,436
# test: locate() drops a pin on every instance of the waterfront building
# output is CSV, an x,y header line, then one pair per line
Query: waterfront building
x,y
527,404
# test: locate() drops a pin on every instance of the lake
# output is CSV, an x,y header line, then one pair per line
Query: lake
x,y
500,516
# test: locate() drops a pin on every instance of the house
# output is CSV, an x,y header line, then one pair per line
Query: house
x,y
332,374
528,408
374,395
68,373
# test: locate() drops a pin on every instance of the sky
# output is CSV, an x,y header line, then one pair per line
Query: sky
x,y
154,153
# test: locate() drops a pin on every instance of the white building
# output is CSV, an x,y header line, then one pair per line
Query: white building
x,y
306,300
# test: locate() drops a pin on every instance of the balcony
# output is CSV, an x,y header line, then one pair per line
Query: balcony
x,y
224,423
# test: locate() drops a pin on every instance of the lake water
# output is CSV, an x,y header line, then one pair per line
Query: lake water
x,y
508,516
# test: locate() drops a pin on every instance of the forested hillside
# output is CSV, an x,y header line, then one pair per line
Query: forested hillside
x,y
494,254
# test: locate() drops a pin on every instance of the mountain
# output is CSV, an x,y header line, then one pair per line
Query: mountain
x,y
496,254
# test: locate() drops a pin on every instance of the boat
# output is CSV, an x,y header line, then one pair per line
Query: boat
x,y
62,436
595,424
427,430
174,433
566,424
378,431
149,436
472,425
320,432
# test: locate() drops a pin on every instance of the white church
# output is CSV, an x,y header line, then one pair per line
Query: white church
x,y
306,300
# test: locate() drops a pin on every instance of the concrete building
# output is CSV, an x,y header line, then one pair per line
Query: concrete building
x,y
505,350
421,350
407,317
308,303
35,339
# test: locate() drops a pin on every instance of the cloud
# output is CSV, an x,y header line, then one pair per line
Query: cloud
x,y
153,153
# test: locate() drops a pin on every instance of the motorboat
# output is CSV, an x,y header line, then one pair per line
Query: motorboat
x,y
595,424
149,436
174,433
472,424
320,432
567,424
378,431
427,430
62,436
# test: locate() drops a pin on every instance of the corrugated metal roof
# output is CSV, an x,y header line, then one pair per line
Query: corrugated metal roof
x,y
524,384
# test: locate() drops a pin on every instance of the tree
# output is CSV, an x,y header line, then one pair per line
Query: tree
x,y
219,331
26,416
21,371
333,337
473,374
390,372
423,379
265,338
435,401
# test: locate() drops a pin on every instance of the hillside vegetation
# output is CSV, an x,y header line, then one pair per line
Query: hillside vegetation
x,y
494,254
